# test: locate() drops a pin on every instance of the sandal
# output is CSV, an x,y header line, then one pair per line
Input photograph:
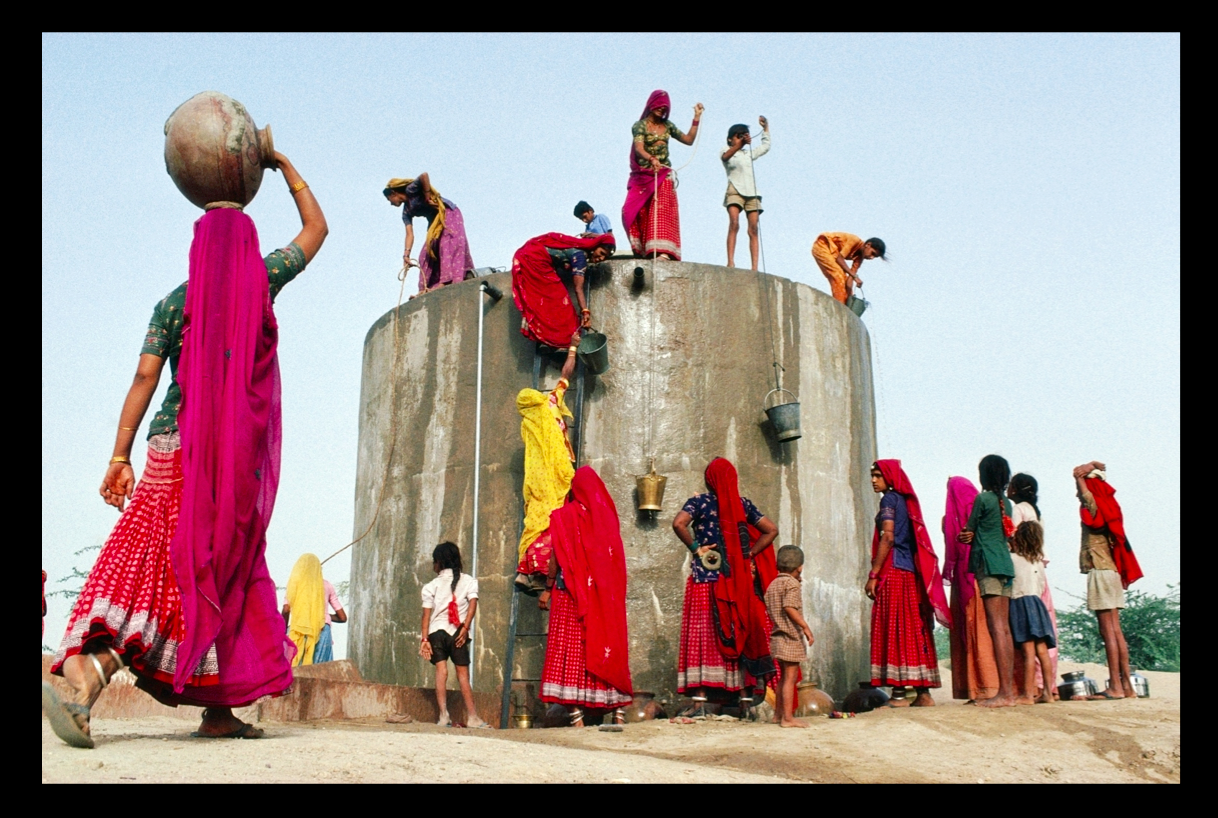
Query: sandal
x,y
64,718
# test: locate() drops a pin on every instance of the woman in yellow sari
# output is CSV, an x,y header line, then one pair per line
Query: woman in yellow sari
x,y
305,607
548,468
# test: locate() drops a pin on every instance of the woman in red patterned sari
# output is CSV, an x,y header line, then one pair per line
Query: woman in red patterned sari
x,y
650,213
180,592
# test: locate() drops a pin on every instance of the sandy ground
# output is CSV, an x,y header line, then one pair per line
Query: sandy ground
x,y
1068,742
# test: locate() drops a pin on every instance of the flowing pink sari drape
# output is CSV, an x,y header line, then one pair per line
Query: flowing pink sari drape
x,y
230,427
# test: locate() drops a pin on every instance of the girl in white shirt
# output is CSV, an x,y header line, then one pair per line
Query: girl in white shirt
x,y
1031,628
742,187
449,604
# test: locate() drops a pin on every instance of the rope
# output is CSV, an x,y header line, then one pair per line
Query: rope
x,y
393,419
765,293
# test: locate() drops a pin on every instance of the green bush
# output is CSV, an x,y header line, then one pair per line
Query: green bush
x,y
1151,625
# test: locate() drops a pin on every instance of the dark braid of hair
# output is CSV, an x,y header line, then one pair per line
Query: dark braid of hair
x,y
447,555
1025,488
995,473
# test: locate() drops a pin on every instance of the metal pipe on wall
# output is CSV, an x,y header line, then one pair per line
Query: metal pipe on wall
x,y
495,293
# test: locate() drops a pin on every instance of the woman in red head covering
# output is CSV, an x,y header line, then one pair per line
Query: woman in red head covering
x,y
974,669
725,630
650,213
587,648
907,589
539,272
1108,561
180,592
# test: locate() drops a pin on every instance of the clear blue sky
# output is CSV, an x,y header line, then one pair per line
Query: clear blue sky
x,y
1028,187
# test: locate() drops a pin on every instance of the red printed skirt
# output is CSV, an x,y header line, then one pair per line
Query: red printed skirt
x,y
657,228
902,644
565,678
130,599
700,662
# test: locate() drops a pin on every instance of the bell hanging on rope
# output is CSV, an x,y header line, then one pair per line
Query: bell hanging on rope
x,y
650,489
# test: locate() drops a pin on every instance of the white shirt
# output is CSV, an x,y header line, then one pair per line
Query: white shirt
x,y
739,166
439,592
1029,577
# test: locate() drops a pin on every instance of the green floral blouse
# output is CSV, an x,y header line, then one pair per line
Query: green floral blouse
x,y
164,338
656,145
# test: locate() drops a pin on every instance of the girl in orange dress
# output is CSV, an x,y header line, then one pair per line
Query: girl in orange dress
x,y
831,252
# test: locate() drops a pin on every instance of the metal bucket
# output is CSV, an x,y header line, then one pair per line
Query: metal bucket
x,y
857,305
784,417
651,490
594,352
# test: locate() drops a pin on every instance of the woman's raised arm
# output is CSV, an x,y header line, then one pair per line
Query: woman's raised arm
x,y
313,229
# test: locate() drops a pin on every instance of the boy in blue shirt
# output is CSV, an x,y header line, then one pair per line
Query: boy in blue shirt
x,y
597,225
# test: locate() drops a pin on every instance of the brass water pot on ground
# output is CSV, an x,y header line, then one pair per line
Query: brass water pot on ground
x,y
214,152
651,489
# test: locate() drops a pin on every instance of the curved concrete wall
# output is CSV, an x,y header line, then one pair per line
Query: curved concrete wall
x,y
690,366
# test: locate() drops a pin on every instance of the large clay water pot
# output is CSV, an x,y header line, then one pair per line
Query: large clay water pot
x,y
214,152
812,700
865,699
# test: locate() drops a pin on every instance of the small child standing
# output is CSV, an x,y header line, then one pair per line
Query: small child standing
x,y
1031,627
742,186
784,603
597,225
449,604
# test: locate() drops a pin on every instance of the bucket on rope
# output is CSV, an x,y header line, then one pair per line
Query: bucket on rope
x,y
650,489
594,352
857,304
784,416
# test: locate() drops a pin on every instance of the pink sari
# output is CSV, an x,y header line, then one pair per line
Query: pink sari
x,y
974,668
230,427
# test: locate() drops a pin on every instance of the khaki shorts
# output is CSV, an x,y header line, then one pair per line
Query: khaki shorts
x,y
1104,590
750,204
993,586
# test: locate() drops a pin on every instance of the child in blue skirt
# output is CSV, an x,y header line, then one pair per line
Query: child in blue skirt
x,y
1031,627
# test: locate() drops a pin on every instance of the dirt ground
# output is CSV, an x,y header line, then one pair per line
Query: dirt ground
x,y
1068,742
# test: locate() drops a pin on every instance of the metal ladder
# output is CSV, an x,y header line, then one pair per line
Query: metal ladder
x,y
540,353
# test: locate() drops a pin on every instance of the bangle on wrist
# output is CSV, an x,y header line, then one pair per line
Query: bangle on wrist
x,y
573,349
872,575
129,428
118,458
298,186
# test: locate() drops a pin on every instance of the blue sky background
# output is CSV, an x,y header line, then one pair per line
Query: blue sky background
x,y
1028,188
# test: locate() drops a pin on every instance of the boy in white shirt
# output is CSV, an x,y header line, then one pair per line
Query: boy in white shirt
x,y
741,186
449,604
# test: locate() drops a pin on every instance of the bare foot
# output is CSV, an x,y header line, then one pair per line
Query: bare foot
x,y
219,722
923,699
997,701
475,722
1045,698
1025,700
792,722
1107,693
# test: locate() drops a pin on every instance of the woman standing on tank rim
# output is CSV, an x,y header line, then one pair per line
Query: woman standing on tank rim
x,y
650,215
988,530
445,256
907,590
180,592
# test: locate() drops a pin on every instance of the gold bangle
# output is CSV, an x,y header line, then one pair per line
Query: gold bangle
x,y
297,187
118,458
572,349
129,428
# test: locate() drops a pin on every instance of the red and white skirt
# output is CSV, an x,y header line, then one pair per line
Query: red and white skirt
x,y
565,678
902,643
657,228
130,599
700,661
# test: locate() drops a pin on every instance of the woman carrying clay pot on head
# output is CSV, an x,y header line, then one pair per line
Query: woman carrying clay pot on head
x,y
444,257
180,592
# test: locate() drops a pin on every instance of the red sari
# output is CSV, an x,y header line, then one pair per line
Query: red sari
x,y
587,649
540,295
1108,515
650,213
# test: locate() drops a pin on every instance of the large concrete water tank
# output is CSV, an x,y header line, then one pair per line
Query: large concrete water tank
x,y
691,356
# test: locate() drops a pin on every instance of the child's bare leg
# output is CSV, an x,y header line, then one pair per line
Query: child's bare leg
x,y
1046,671
786,695
733,226
467,693
1027,685
997,611
1123,650
442,691
1114,641
753,243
